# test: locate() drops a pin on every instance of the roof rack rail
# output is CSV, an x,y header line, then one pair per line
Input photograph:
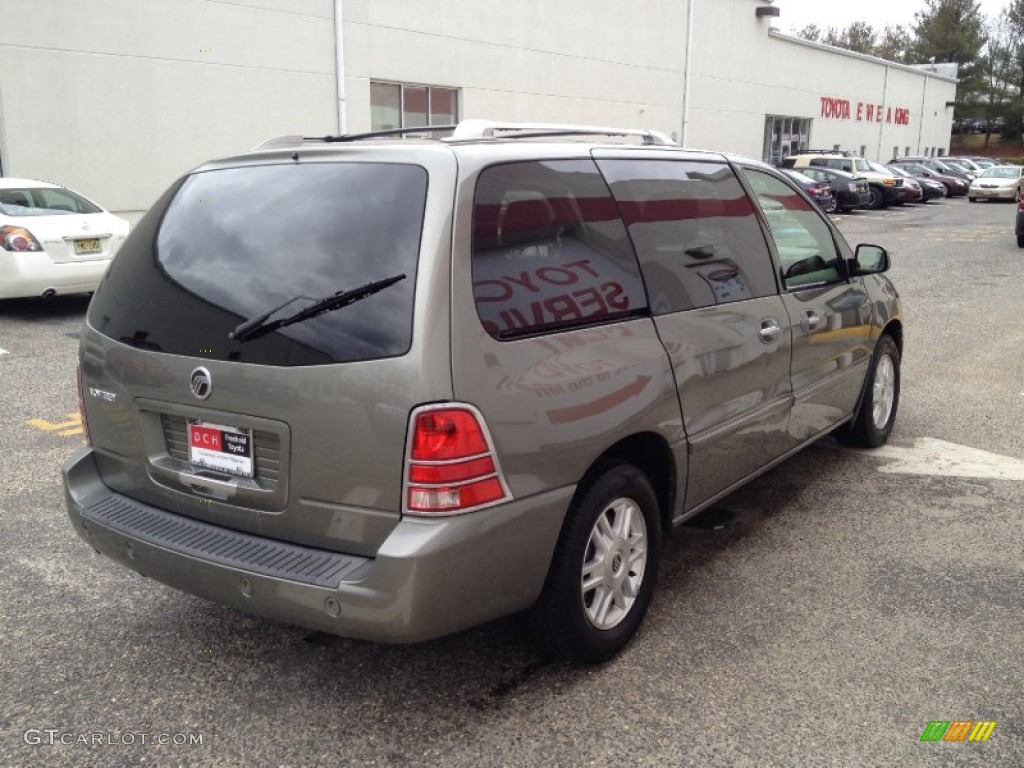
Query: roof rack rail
x,y
477,129
843,152
486,129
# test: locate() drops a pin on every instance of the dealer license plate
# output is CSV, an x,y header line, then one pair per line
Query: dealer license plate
x,y
220,447
90,245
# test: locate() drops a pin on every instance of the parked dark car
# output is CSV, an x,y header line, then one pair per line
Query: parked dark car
x,y
930,188
940,166
819,191
1020,223
955,186
982,162
850,191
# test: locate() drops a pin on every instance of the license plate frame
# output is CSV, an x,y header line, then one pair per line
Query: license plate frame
x,y
88,246
221,448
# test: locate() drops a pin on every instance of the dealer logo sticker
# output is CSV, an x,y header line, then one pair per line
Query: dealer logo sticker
x,y
201,383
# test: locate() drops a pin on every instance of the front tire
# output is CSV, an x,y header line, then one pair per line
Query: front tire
x,y
604,568
881,398
972,199
877,199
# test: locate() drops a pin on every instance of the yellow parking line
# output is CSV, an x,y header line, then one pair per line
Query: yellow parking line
x,y
71,426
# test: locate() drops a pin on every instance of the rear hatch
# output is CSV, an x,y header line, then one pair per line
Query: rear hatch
x,y
294,428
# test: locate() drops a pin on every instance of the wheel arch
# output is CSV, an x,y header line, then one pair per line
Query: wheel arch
x,y
650,453
894,328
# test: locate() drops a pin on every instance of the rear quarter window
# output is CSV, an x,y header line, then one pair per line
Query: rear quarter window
x,y
550,251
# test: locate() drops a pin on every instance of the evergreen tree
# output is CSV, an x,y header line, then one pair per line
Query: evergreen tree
x,y
953,30
895,43
858,37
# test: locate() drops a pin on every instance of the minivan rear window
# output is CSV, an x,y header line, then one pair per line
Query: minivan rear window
x,y
234,243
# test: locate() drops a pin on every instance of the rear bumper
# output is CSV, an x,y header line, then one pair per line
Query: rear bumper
x,y
23,275
429,578
847,200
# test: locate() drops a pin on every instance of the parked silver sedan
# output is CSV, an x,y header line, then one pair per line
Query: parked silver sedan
x,y
1002,182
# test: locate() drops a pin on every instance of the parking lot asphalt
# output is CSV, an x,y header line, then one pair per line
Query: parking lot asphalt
x,y
855,597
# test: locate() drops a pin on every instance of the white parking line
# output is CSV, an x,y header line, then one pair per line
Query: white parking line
x,y
937,457
4,352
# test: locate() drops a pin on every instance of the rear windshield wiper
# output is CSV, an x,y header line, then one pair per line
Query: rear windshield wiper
x,y
258,326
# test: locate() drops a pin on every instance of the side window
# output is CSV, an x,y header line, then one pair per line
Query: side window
x,y
694,230
549,250
802,238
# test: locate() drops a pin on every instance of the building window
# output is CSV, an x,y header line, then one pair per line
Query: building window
x,y
394,105
863,150
784,136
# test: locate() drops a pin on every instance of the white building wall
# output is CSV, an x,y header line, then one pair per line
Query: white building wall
x,y
117,98
581,61
758,73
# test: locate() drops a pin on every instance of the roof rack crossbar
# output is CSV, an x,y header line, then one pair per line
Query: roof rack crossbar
x,y
294,140
388,132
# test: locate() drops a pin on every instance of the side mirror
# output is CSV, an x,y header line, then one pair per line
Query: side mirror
x,y
870,260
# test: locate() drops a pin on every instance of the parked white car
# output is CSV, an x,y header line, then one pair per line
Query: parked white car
x,y
52,240
1000,181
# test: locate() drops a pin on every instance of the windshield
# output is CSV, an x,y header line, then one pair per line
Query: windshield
x,y
43,201
237,242
1002,172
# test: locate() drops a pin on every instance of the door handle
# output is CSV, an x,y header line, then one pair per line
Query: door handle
x,y
810,320
770,330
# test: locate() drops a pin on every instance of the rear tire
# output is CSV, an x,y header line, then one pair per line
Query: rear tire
x,y
972,199
604,568
1020,241
880,400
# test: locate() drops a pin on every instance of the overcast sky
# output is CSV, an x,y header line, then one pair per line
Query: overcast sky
x,y
797,14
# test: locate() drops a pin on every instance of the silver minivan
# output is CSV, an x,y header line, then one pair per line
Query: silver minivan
x,y
391,387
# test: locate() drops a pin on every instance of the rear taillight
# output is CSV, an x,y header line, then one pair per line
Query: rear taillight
x,y
81,407
451,466
18,239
